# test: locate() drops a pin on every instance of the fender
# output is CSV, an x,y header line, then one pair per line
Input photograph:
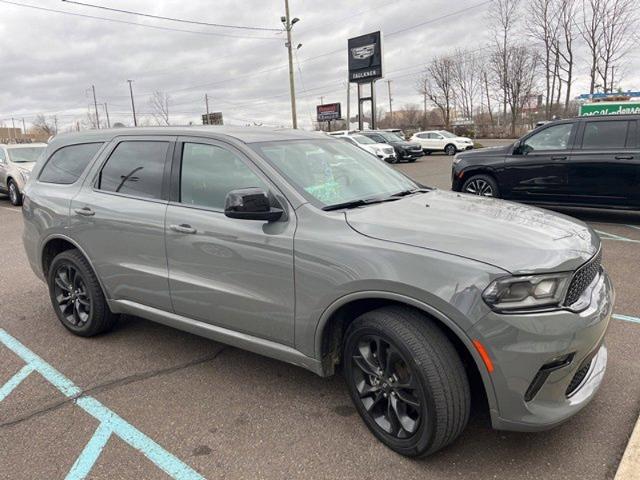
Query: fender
x,y
60,236
435,313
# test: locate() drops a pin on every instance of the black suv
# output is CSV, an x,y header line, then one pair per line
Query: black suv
x,y
585,161
407,151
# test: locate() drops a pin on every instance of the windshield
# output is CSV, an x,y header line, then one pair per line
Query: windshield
x,y
362,139
446,134
328,173
390,137
25,154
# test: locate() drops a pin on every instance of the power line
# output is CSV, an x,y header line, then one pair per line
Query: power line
x,y
173,19
156,27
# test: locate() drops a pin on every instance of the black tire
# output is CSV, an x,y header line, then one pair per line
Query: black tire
x,y
481,185
15,195
431,368
450,149
427,152
73,313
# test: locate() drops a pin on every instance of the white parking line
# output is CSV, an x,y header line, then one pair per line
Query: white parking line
x,y
11,209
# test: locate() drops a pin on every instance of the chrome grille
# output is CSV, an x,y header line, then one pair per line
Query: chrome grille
x,y
583,278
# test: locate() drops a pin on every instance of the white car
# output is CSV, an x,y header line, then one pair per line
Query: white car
x,y
441,141
381,150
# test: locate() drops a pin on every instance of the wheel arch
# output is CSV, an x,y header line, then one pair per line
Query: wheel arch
x,y
336,318
56,244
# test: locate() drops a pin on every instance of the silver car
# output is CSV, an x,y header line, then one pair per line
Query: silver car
x,y
309,250
16,162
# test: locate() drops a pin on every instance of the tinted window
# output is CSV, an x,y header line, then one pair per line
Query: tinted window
x,y
552,138
375,137
67,164
210,172
135,168
609,134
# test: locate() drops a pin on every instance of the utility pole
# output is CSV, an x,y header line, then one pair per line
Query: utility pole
x,y
55,122
24,127
348,105
321,100
288,25
95,104
390,103
106,111
206,102
13,130
133,105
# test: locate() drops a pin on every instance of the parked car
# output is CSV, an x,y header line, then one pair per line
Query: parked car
x,y
381,150
16,162
397,131
584,161
404,150
441,141
310,250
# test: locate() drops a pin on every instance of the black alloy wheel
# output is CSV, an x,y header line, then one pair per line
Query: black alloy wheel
x,y
386,385
70,291
481,185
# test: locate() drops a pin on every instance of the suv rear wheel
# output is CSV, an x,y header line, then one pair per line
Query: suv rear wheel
x,y
77,297
406,380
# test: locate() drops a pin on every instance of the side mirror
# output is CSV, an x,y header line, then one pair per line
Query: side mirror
x,y
517,148
250,204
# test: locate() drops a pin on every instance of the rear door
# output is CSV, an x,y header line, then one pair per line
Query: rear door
x,y
118,218
536,170
604,167
237,274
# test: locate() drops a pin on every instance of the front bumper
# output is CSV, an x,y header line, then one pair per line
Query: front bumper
x,y
408,154
520,345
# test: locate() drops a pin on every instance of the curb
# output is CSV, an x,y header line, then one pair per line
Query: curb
x,y
629,468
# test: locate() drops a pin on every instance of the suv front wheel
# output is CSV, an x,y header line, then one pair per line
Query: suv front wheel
x,y
77,297
406,380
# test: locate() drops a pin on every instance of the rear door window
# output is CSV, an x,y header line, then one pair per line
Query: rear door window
x,y
605,134
67,164
135,168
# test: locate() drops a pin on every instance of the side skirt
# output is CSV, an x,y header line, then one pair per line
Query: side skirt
x,y
219,334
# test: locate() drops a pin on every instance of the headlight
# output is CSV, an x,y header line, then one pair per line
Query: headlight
x,y
527,292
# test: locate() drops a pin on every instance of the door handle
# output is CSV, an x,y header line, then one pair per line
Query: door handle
x,y
559,157
624,157
183,228
84,211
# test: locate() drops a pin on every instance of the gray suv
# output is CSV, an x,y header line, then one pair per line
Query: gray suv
x,y
309,250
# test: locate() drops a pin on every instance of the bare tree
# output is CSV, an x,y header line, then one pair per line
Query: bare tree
x,y
437,84
159,104
504,18
467,81
565,45
520,80
618,22
543,27
44,125
592,32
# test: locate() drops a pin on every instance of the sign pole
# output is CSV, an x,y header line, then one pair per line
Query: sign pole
x,y
360,124
348,104
373,105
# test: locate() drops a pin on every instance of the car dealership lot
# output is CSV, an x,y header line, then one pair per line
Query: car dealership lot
x,y
226,413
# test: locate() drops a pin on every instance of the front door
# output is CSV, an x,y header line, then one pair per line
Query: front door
x,y
237,274
536,170
604,169
118,219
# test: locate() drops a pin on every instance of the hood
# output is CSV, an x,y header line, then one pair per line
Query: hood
x,y
514,237
405,144
486,151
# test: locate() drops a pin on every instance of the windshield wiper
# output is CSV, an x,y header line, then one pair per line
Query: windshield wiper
x,y
358,203
404,193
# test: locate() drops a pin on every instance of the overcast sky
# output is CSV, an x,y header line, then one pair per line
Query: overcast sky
x,y
49,60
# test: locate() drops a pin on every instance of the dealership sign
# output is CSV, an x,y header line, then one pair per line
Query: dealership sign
x,y
328,112
365,58
214,118
610,108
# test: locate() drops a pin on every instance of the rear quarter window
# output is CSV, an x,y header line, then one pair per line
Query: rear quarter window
x,y
605,134
67,164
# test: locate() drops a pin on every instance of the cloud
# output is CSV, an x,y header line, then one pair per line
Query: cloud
x,y
49,61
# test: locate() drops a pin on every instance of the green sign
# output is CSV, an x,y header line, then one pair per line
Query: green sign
x,y
610,108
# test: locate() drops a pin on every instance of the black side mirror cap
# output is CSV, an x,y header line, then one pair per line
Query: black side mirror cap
x,y
250,204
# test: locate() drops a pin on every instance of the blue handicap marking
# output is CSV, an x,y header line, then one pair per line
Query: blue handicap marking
x,y
110,423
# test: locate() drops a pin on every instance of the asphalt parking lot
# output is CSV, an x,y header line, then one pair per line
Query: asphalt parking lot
x,y
180,404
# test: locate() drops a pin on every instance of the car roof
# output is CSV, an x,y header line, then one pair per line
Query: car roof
x,y
243,134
